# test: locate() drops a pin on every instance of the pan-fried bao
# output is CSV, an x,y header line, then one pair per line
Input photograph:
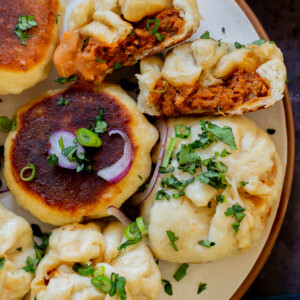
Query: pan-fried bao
x,y
214,198
16,248
211,77
77,151
29,35
83,262
99,40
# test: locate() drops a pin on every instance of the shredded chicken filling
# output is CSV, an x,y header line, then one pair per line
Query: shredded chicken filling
x,y
237,89
90,58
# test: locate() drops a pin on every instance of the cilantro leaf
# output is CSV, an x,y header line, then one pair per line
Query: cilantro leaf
x,y
2,261
237,211
243,183
205,35
62,102
201,288
221,198
64,80
24,23
52,160
161,194
224,134
238,45
31,264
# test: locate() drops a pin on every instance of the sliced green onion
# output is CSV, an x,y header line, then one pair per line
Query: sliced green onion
x,y
5,124
169,152
181,272
33,171
99,271
61,143
131,231
102,283
86,270
182,132
156,26
141,225
259,42
164,90
88,138
160,37
121,288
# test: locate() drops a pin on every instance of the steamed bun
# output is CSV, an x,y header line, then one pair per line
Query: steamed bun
x,y
216,216
88,244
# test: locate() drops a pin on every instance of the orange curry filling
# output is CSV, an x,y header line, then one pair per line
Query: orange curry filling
x,y
237,89
90,58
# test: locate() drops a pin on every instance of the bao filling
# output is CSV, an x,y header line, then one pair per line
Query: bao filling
x,y
93,58
59,187
239,88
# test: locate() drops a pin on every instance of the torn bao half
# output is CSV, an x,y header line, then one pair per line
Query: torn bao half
x,y
211,77
106,35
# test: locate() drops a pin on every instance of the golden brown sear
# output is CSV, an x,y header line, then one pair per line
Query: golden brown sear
x,y
60,188
91,59
13,55
238,88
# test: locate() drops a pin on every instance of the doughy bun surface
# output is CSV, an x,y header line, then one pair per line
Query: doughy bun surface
x,y
58,195
101,37
16,245
88,244
254,178
23,66
212,78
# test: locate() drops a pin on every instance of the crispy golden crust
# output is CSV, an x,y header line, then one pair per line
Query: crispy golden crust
x,y
27,64
58,195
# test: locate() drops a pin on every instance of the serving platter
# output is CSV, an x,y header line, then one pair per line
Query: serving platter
x,y
230,277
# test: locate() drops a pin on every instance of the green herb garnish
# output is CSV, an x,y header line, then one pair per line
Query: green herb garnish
x,y
259,42
223,29
271,131
52,160
19,249
169,152
100,61
56,18
206,243
2,261
188,159
30,167
31,264
118,66
205,35
182,132
167,287
243,183
237,211
201,288
24,23
64,80
181,272
165,171
61,101
224,153
173,183
221,198
161,194
173,238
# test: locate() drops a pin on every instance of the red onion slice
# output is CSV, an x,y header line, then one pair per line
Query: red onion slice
x,y
120,168
68,139
113,211
164,132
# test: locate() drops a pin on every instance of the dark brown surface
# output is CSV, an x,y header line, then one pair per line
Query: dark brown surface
x,y
281,273
14,55
59,187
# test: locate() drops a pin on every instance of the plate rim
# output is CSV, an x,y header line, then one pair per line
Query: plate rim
x,y
288,179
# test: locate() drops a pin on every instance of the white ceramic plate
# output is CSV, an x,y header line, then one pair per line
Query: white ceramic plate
x,y
222,277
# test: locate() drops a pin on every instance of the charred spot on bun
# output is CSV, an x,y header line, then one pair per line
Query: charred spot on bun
x,y
29,35
60,195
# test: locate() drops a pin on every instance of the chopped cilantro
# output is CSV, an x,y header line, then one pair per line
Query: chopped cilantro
x,y
61,101
206,243
19,249
163,170
99,125
56,18
31,264
143,187
24,23
223,29
243,183
140,177
174,183
224,153
173,238
167,287
271,42
188,159
64,80
224,134
205,35
181,272
238,45
52,160
237,211
221,198
201,288
2,261
100,61
118,66
287,80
